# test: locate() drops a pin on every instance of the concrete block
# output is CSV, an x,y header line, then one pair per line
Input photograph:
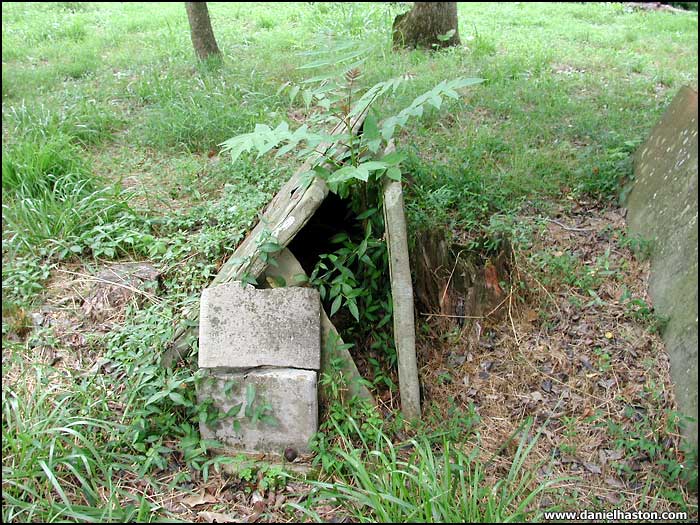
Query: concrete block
x,y
246,327
291,400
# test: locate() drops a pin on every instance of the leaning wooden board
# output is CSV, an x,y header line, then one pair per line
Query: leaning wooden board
x,y
283,218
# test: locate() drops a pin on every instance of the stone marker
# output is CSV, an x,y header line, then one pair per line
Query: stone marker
x,y
246,327
290,394
663,207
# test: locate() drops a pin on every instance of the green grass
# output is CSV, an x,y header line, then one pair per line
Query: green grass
x,y
55,465
51,198
427,480
110,150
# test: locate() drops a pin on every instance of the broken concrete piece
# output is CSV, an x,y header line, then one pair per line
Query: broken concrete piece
x,y
246,327
278,409
118,284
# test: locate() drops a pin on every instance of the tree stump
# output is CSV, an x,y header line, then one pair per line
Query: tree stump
x,y
456,283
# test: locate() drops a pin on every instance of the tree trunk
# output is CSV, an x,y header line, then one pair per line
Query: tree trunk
x,y
200,29
428,24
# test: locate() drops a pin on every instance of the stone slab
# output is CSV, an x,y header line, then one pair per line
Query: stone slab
x,y
663,208
243,327
292,400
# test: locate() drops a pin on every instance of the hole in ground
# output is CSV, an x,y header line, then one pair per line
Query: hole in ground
x,y
333,217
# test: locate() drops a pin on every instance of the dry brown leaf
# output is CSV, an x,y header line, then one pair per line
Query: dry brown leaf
x,y
592,468
218,517
536,396
531,315
202,498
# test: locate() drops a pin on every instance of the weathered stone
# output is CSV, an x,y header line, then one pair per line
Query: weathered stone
x,y
291,399
663,208
246,327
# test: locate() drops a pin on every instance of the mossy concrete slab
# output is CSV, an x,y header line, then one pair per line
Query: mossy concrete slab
x,y
663,208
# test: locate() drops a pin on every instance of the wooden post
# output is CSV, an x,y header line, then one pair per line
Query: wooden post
x,y
402,295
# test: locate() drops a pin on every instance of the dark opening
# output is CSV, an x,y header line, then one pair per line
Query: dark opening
x,y
334,216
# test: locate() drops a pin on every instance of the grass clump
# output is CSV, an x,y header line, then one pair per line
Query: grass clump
x,y
424,481
52,199
54,467
30,170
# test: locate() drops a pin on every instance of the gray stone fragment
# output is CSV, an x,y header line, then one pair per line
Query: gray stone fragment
x,y
246,327
116,286
663,208
293,404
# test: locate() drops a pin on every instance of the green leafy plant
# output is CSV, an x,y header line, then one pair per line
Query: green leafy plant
x,y
641,247
358,164
23,278
252,410
639,309
637,435
256,409
257,475
354,168
567,268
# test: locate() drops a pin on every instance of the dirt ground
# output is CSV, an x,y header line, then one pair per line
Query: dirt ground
x,y
589,368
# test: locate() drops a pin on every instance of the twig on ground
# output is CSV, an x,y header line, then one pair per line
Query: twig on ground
x,y
568,228
449,280
493,310
87,277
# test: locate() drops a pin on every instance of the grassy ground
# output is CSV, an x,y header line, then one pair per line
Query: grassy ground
x,y
110,152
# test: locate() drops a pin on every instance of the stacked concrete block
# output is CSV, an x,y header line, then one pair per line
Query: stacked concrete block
x,y
261,350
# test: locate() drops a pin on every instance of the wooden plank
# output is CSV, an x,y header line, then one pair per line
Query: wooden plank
x,y
288,268
283,218
402,296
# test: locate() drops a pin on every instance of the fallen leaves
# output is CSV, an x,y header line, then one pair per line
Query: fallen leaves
x,y
217,517
592,468
201,498
577,362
